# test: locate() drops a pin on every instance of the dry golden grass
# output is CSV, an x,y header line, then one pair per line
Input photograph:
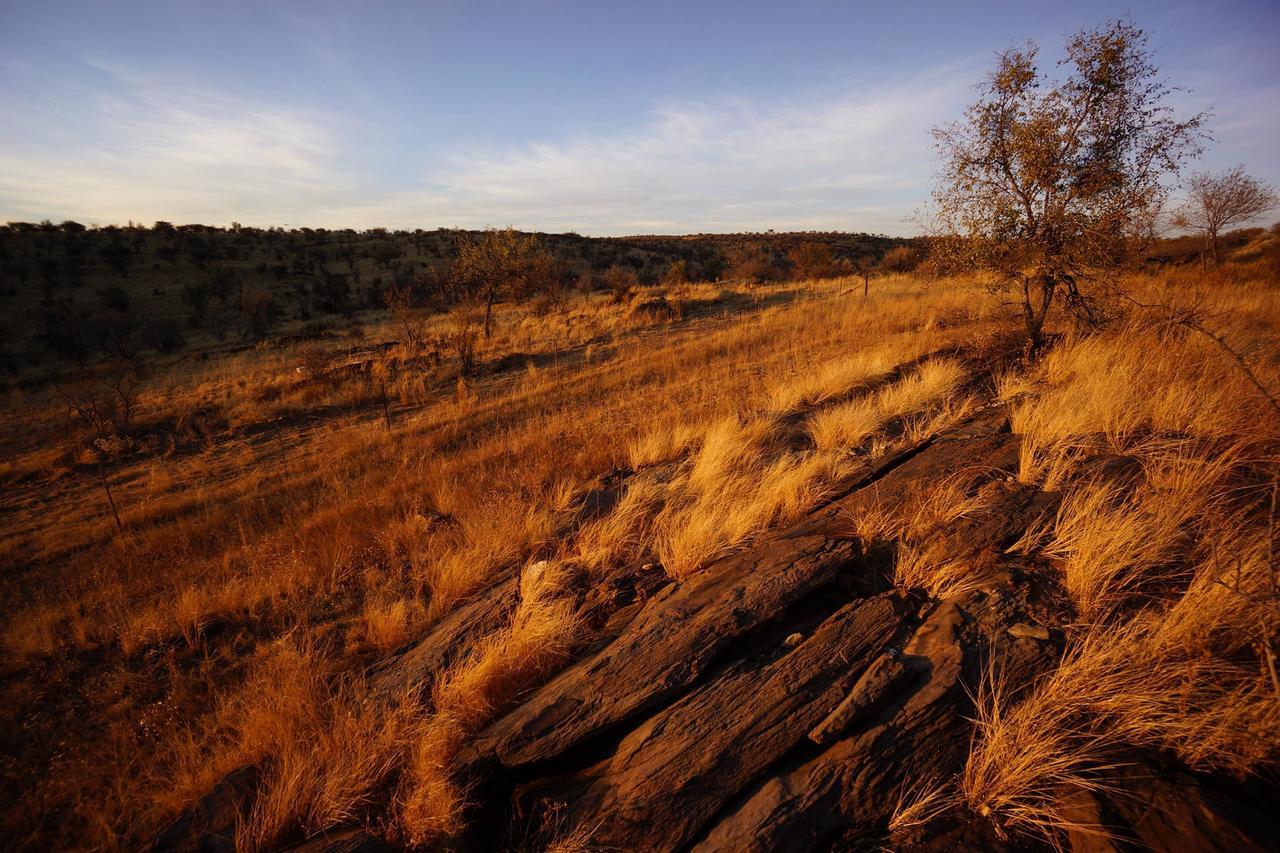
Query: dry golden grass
x,y
390,624
1117,540
748,475
282,535
1024,757
920,802
1132,685
1169,566
540,635
1140,384
850,424
321,744
941,577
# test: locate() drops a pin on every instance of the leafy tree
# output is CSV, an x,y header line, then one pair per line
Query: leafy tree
x,y
385,252
901,259
501,263
713,265
222,282
1217,202
163,334
259,312
677,272
51,272
621,281
812,260
118,255
73,266
1051,182
196,296
758,265
65,330
333,292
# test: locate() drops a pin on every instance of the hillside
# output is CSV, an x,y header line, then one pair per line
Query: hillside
x,y
176,288
719,566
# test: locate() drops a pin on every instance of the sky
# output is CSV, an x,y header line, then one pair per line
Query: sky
x,y
604,118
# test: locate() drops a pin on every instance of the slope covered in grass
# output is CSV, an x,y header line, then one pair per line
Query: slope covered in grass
x,y
349,581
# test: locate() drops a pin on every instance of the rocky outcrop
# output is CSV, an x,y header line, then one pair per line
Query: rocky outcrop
x,y
415,666
1167,808
705,724
210,825
679,636
674,770
788,696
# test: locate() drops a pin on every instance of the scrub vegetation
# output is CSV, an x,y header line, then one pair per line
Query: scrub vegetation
x,y
244,474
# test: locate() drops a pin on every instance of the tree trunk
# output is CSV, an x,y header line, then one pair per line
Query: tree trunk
x,y
1034,314
1213,247
106,487
386,405
488,314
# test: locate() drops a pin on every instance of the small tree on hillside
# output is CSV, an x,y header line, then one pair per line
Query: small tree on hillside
x,y
404,301
757,265
1217,202
621,281
677,273
901,259
1049,183
812,260
501,263
118,255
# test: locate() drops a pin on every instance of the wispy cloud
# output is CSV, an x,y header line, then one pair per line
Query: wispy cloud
x,y
139,147
856,159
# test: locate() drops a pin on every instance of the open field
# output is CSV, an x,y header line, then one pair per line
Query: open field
x,y
326,570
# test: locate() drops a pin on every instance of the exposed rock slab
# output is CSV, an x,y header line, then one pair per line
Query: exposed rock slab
x,y
920,733
678,636
681,631
415,666
678,767
210,824
1172,810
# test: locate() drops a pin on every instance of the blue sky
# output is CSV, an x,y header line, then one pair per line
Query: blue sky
x,y
598,117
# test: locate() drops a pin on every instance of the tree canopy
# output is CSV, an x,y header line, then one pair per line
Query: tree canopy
x,y
1216,202
1050,182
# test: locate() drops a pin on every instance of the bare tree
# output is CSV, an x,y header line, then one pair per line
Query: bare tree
x,y
1049,183
403,303
104,397
1217,202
